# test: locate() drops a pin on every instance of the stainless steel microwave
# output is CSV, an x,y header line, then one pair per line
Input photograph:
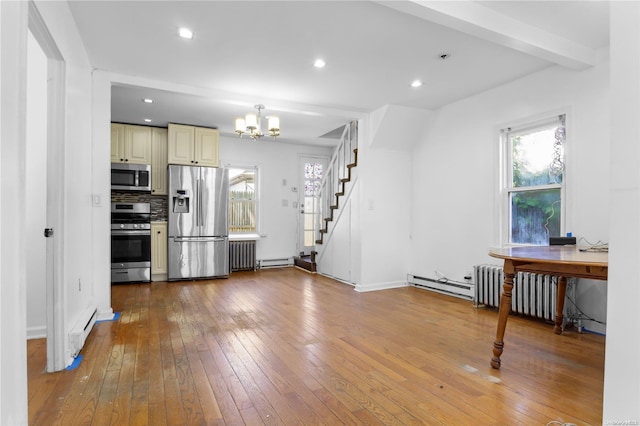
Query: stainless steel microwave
x,y
131,177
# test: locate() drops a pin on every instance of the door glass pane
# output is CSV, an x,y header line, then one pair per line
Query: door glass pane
x,y
308,238
535,215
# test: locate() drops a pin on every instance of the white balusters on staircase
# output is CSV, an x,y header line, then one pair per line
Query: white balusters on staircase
x,y
338,173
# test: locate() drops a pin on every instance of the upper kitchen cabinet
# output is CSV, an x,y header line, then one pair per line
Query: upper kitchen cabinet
x,y
189,145
158,161
130,144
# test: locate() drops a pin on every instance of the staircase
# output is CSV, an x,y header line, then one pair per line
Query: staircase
x,y
337,176
306,261
332,188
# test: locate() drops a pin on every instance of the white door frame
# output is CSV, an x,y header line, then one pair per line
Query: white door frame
x,y
55,304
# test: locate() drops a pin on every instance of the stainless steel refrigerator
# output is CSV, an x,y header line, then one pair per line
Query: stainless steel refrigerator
x,y
198,243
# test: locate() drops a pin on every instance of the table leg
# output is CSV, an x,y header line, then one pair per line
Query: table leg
x,y
562,290
503,313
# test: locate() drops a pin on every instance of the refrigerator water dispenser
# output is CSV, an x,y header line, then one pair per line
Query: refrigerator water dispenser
x,y
181,201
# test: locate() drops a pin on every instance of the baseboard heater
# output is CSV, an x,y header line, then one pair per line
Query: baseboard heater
x,y
534,294
451,288
275,263
80,331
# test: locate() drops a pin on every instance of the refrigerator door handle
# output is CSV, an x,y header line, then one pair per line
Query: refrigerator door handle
x,y
198,206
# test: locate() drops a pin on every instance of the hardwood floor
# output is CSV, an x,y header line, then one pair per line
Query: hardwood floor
x,y
286,347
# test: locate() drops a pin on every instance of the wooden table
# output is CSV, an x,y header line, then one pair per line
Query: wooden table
x,y
561,261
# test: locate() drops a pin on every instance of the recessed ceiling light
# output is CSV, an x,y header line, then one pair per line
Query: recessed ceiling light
x,y
147,101
147,120
416,83
185,33
319,63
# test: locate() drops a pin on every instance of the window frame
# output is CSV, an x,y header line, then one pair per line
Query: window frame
x,y
506,188
257,188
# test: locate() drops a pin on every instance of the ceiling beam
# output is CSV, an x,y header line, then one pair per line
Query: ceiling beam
x,y
479,21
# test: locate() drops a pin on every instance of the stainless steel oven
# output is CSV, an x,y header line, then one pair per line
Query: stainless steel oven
x,y
130,242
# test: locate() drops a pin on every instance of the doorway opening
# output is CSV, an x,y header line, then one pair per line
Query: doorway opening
x,y
45,110
312,171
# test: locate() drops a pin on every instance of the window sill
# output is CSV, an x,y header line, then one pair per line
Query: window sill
x,y
244,237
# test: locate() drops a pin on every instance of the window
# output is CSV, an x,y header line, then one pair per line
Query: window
x,y
243,200
534,189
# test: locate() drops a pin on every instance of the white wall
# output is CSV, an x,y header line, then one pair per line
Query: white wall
x,y
13,319
36,188
277,162
622,369
384,205
455,171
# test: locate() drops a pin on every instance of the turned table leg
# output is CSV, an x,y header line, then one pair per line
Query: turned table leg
x,y
562,290
503,313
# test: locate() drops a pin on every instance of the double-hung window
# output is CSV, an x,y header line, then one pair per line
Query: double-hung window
x,y
243,200
534,190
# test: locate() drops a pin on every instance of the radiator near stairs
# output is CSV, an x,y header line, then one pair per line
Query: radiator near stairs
x,y
533,294
242,255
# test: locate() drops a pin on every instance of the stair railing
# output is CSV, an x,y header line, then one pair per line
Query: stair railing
x,y
337,174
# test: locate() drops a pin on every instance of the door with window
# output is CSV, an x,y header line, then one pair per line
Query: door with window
x,y
312,170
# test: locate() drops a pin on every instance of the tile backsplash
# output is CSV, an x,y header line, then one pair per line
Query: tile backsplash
x,y
158,202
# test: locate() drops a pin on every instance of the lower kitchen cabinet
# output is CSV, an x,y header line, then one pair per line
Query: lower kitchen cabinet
x,y
158,251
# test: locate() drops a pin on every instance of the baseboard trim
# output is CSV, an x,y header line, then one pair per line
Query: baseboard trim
x,y
39,332
105,315
380,286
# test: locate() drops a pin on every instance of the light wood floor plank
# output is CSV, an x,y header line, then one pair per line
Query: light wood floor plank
x,y
281,347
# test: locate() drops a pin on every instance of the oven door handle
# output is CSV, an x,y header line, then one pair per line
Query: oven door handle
x,y
119,232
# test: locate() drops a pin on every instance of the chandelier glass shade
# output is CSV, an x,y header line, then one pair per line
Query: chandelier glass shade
x,y
252,125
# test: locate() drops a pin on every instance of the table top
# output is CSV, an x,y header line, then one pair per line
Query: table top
x,y
552,254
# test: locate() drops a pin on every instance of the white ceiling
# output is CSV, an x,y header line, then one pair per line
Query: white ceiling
x,y
249,52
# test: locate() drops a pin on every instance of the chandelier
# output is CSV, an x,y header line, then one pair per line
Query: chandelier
x,y
252,124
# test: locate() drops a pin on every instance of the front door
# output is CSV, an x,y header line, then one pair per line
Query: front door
x,y
312,170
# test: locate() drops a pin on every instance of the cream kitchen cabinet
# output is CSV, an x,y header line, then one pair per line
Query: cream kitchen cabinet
x,y
159,150
130,144
193,146
158,251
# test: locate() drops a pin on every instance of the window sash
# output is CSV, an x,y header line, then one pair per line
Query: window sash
x,y
508,188
243,212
